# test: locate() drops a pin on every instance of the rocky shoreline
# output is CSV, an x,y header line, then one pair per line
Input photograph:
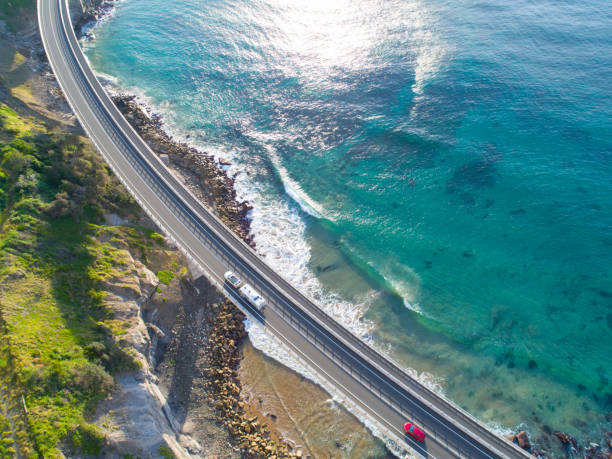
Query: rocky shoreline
x,y
212,370
224,387
147,414
84,12
199,171
202,174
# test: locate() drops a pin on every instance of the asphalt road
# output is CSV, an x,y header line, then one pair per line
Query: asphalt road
x,y
374,384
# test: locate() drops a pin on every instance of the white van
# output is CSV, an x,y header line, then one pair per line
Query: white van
x,y
251,295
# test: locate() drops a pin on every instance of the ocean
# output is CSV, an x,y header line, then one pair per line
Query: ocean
x,y
436,175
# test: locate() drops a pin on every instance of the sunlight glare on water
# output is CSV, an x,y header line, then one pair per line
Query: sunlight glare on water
x,y
322,39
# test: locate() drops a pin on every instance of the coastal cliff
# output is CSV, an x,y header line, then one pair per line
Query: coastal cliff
x,y
72,284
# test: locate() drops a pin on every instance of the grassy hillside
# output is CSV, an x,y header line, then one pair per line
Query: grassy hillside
x,y
57,354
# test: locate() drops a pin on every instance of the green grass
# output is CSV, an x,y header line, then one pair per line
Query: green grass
x,y
165,276
138,239
57,340
7,443
14,125
165,452
56,337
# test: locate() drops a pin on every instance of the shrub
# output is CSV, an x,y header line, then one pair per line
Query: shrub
x,y
165,276
62,206
31,206
87,439
165,452
92,378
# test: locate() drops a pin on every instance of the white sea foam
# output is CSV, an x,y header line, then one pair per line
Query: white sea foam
x,y
413,307
110,82
276,227
503,430
295,191
278,231
406,285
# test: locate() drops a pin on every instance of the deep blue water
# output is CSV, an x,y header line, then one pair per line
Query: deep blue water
x,y
446,165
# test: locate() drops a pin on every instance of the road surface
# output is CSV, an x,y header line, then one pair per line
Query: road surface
x,y
373,383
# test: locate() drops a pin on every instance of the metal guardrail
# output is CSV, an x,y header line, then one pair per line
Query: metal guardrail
x,y
193,214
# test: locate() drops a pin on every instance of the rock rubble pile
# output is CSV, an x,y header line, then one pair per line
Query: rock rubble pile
x,y
223,387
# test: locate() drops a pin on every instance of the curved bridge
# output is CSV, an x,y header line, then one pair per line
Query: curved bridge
x,y
372,382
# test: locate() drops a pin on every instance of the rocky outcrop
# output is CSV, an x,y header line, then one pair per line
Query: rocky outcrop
x,y
186,339
596,451
569,443
136,419
200,171
590,451
522,440
223,386
85,11
566,439
198,338
179,329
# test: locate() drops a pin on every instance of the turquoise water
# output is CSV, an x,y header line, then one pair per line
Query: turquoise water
x,y
443,166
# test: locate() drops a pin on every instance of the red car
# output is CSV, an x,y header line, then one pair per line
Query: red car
x,y
414,432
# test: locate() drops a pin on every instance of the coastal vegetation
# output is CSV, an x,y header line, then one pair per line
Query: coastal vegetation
x,y
61,345
57,352
165,276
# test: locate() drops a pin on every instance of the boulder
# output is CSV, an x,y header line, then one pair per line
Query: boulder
x,y
523,440
566,439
